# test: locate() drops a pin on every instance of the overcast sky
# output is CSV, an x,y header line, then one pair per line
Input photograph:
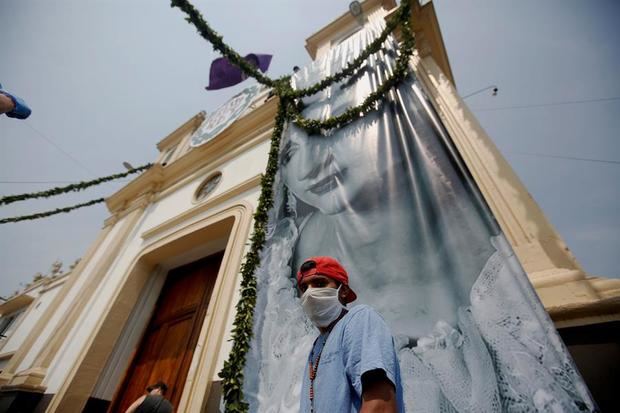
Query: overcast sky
x,y
108,79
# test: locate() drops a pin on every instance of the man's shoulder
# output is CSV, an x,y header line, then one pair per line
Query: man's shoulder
x,y
363,313
366,329
363,309
167,406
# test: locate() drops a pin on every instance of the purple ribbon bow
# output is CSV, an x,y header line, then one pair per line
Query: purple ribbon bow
x,y
225,74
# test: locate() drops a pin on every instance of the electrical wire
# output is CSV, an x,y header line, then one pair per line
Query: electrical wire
x,y
74,187
48,182
540,105
50,213
571,158
55,145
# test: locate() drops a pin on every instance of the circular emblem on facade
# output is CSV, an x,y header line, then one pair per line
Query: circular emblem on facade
x,y
226,114
208,186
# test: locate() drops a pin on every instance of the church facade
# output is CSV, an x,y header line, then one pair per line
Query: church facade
x,y
155,294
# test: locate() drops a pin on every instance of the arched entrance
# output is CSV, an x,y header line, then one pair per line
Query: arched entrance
x,y
93,378
167,345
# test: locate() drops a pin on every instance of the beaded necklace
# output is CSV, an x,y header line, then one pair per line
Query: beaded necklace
x,y
313,369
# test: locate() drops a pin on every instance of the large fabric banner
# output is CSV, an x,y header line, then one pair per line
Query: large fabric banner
x,y
390,198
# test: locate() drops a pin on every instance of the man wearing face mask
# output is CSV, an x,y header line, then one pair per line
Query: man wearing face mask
x,y
353,365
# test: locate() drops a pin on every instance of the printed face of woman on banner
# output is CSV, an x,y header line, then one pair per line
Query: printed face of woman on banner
x,y
333,174
354,201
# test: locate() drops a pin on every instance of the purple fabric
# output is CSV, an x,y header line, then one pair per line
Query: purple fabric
x,y
225,74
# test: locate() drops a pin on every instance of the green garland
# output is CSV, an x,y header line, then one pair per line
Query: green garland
x,y
288,109
400,18
232,373
69,188
282,85
194,17
50,213
315,126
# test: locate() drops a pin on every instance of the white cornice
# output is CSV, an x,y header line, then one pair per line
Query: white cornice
x,y
188,127
251,183
15,304
428,38
158,178
341,24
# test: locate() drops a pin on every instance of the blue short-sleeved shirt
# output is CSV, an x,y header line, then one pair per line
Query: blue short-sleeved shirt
x,y
361,341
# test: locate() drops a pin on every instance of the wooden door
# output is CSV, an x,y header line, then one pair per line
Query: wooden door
x,y
168,344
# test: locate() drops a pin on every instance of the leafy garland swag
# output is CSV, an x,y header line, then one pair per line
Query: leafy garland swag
x,y
52,212
9,199
288,109
80,186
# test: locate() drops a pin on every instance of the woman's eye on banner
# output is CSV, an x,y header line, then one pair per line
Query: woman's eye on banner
x,y
287,153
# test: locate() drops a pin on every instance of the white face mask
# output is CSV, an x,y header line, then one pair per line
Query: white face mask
x,y
322,305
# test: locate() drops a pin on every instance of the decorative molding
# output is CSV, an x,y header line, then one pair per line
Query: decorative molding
x,y
182,131
6,355
47,285
146,182
586,313
110,221
214,332
30,379
111,375
19,321
535,241
58,337
9,370
56,282
428,38
18,302
245,130
244,133
570,298
213,180
251,183
210,165
55,342
79,382
341,25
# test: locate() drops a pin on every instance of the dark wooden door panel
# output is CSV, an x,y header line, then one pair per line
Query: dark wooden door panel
x,y
168,344
141,369
173,350
183,293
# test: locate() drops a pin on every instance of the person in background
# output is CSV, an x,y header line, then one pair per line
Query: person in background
x,y
13,106
353,365
153,401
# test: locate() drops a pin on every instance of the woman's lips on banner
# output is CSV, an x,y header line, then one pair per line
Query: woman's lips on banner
x,y
326,184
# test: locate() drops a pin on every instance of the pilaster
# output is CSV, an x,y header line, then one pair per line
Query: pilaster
x,y
569,295
9,371
35,375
